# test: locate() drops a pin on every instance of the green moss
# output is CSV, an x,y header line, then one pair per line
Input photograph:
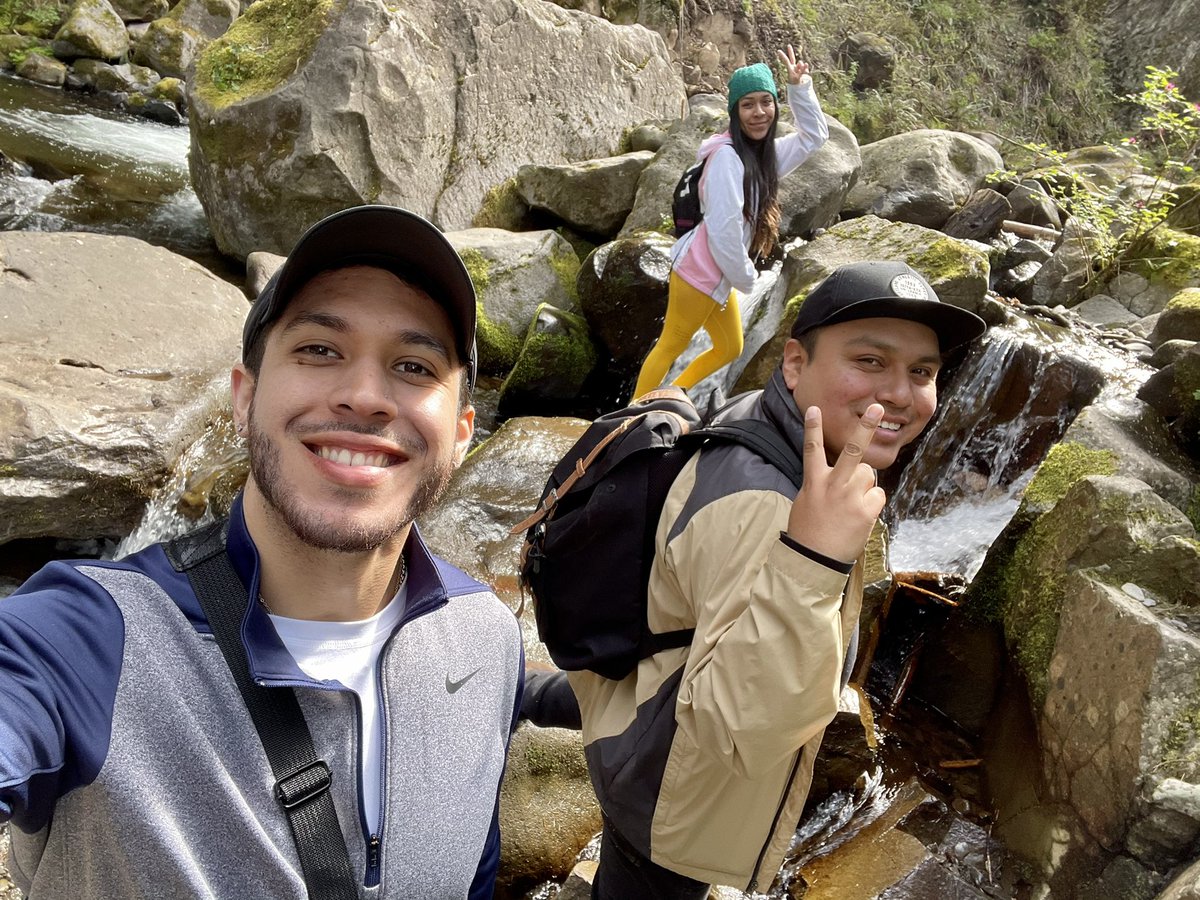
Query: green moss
x,y
1185,299
16,57
502,207
166,88
1180,747
566,267
478,268
1065,464
565,357
1166,256
942,260
498,346
263,48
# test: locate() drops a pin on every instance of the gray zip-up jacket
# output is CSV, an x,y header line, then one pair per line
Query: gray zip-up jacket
x,y
129,767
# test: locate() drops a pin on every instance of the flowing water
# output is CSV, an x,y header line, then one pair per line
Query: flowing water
x,y
77,167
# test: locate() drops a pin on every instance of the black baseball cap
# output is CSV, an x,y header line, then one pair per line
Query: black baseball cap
x,y
385,236
885,289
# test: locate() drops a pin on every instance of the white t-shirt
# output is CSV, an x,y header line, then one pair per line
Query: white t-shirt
x,y
348,652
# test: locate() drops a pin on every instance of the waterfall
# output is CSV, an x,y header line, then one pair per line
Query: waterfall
x,y
1008,402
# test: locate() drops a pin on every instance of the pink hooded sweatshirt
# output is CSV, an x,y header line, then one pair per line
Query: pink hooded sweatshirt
x,y
714,256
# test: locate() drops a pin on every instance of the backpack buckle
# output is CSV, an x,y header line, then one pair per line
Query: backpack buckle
x,y
304,784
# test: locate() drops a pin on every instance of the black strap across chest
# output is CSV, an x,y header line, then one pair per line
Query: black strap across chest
x,y
302,779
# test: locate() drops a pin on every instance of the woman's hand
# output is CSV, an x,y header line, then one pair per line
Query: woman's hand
x,y
796,68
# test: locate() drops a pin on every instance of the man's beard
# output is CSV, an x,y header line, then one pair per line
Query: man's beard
x,y
341,537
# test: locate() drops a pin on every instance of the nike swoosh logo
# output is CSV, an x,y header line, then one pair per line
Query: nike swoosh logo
x,y
453,686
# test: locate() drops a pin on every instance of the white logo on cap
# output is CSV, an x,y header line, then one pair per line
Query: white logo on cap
x,y
909,286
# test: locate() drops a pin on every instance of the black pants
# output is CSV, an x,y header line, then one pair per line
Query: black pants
x,y
623,873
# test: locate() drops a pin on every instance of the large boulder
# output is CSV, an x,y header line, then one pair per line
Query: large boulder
x,y
42,70
1062,280
1180,319
498,486
140,10
812,196
1158,267
652,206
548,810
92,29
623,293
426,106
1119,726
555,361
593,196
921,176
108,375
871,57
513,274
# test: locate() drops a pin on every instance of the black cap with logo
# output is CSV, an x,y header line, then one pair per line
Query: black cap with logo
x,y
890,290
384,236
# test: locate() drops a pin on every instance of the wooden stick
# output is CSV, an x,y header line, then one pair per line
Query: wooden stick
x,y
1021,229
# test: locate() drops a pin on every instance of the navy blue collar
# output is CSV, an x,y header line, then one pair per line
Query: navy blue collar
x,y
269,659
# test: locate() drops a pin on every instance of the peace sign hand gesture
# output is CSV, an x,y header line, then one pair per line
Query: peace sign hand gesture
x,y
837,505
796,68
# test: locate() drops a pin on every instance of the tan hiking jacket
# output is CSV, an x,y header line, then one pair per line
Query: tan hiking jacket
x,y
702,758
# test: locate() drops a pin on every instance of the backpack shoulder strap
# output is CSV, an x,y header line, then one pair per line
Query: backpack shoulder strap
x,y
763,440
302,779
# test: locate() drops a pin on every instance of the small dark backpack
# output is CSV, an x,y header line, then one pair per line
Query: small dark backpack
x,y
589,545
685,202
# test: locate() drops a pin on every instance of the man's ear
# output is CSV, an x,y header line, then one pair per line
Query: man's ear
x,y
241,389
794,359
464,431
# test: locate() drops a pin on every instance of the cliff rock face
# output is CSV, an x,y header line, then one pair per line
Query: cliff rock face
x,y
1160,33
426,106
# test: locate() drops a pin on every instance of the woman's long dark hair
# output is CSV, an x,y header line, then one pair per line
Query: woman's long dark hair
x,y
760,185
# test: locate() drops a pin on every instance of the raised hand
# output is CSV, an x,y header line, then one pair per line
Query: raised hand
x,y
796,68
837,506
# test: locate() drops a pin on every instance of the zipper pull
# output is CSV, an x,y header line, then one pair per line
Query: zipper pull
x,y
373,852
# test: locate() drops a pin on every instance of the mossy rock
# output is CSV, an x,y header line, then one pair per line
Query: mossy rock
x,y
502,207
1063,466
1166,257
235,67
30,18
555,361
1115,528
1180,320
1185,213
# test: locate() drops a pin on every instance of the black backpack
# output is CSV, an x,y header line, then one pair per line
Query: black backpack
x,y
589,545
685,202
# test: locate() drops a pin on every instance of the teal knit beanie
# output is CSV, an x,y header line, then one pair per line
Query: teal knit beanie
x,y
749,79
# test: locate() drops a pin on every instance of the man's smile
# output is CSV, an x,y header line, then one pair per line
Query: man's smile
x,y
345,457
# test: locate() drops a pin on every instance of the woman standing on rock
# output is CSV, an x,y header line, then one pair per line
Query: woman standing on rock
x,y
739,196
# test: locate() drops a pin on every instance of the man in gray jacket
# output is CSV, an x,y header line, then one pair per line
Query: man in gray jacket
x,y
129,766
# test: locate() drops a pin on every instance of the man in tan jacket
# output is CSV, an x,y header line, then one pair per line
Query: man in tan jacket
x,y
702,757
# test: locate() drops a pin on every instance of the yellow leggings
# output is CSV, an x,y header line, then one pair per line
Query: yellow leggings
x,y
688,310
